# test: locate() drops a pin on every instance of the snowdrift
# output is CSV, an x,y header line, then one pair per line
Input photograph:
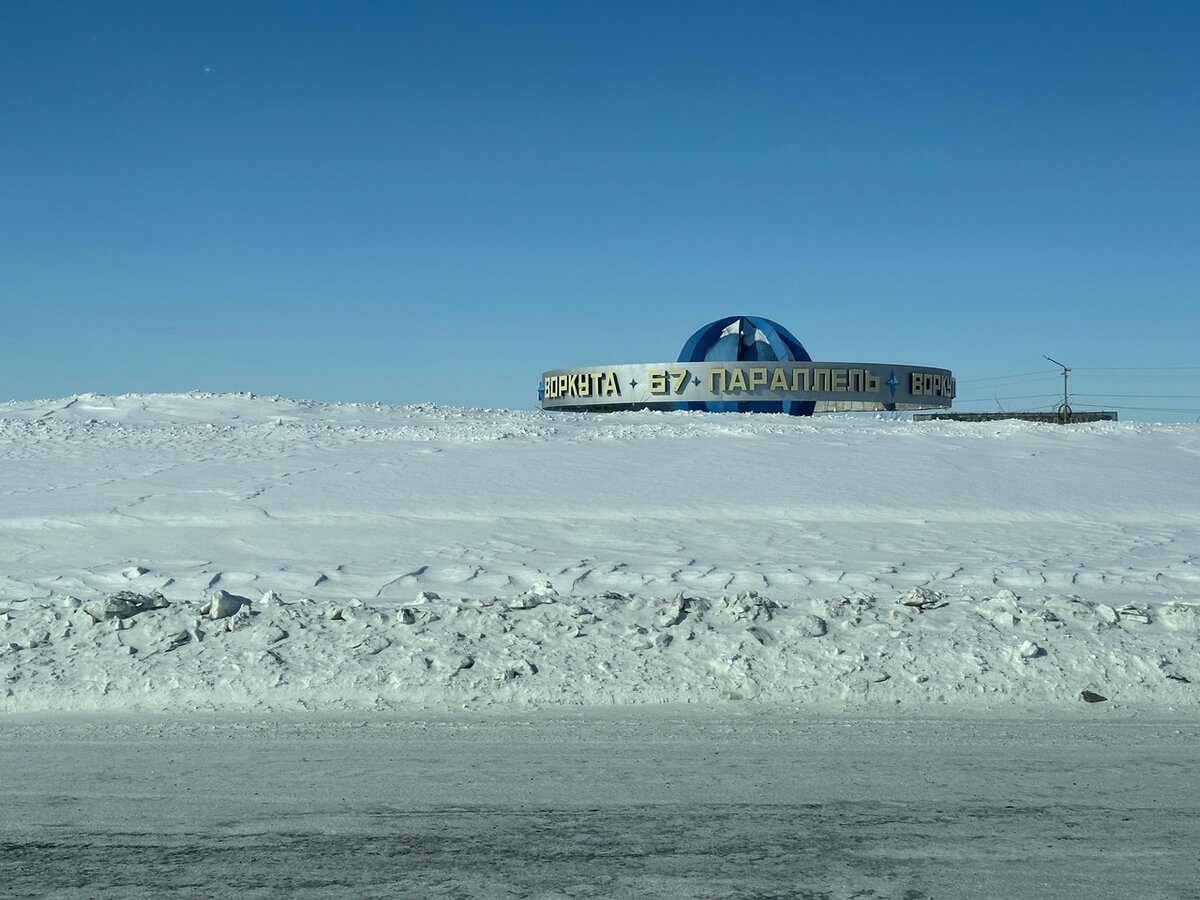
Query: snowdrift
x,y
168,552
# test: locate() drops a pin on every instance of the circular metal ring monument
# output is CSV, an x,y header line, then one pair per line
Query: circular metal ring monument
x,y
747,364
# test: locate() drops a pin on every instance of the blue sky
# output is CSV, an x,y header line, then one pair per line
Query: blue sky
x,y
413,202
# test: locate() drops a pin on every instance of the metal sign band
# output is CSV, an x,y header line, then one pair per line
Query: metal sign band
x,y
676,385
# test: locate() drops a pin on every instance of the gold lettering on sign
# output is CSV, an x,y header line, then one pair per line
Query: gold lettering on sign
x,y
781,378
584,385
928,384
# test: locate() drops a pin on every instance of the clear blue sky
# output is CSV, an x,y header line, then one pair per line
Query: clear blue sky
x,y
415,202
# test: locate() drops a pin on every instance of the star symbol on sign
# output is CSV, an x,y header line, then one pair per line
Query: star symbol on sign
x,y
893,382
695,381
633,382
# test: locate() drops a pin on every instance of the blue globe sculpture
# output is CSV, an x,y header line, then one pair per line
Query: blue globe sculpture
x,y
746,339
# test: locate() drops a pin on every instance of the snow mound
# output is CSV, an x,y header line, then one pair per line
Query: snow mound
x,y
854,651
217,551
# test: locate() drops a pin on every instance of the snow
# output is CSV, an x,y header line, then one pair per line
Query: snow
x,y
354,557
282,648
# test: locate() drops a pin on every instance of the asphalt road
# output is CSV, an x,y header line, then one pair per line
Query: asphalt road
x,y
730,802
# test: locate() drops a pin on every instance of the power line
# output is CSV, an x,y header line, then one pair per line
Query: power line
x,y
1155,396
1000,377
1137,369
1011,384
1142,408
1125,375
1020,397
1045,374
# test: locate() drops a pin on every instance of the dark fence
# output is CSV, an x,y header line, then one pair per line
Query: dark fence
x,y
1069,417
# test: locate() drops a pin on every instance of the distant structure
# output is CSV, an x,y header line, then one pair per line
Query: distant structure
x,y
1062,415
1058,417
747,364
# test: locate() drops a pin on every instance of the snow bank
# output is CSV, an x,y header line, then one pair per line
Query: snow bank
x,y
167,552
537,647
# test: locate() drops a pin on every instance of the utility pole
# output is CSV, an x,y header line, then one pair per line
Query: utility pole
x,y
1064,410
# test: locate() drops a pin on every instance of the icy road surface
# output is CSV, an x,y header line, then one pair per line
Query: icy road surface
x,y
735,802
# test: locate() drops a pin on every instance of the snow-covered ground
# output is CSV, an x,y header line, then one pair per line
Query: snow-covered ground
x,y
312,557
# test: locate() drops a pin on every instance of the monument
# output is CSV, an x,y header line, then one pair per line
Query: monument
x,y
747,364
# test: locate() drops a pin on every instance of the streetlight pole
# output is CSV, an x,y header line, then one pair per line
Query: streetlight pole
x,y
1064,411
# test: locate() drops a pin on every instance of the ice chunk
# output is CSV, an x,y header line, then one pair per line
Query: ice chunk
x,y
124,604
